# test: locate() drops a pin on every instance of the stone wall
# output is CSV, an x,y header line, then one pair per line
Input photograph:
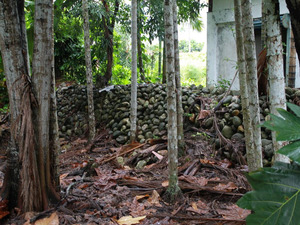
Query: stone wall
x,y
112,109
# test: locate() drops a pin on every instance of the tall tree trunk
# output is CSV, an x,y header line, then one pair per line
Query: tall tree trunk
x,y
31,148
254,158
89,75
109,25
173,190
54,135
275,66
180,135
164,75
159,57
294,8
13,43
243,80
133,110
139,44
42,77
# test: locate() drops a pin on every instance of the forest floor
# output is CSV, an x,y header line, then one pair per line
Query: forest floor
x,y
104,183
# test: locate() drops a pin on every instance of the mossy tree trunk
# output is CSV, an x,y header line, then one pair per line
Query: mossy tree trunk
x,y
254,157
242,79
89,74
133,110
275,66
173,190
180,135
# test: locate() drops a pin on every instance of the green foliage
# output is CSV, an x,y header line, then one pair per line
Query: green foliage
x,y
275,197
121,75
193,68
195,46
223,83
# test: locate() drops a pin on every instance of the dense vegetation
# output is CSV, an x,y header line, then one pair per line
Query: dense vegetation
x,y
114,16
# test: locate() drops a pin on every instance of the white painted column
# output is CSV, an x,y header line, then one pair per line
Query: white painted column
x,y
211,66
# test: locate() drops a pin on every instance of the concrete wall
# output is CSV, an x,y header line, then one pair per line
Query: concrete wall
x,y
221,46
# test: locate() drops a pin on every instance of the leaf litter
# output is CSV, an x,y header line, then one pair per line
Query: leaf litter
x,y
101,183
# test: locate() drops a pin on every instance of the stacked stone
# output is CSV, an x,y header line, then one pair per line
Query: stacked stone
x,y
152,111
112,108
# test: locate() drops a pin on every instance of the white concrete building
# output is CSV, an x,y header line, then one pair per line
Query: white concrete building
x,y
221,46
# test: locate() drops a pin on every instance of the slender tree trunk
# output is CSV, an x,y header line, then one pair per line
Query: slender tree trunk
x,y
294,8
180,134
54,135
133,110
254,158
243,80
164,75
89,75
139,44
159,57
108,33
173,189
275,66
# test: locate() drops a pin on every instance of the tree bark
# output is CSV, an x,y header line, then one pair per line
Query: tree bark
x,y
133,110
164,75
13,43
243,80
275,66
173,190
180,134
294,8
254,157
159,57
109,25
42,77
139,44
89,75
33,142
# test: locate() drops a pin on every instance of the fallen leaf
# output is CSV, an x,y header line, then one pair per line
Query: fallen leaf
x,y
52,220
225,163
206,161
128,220
160,157
194,206
165,183
139,197
83,186
154,198
202,181
203,114
199,207
234,212
225,187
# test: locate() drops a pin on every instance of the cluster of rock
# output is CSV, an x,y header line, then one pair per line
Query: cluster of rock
x,y
112,108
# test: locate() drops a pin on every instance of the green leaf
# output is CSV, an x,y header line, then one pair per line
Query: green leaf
x,y
287,128
294,108
292,150
275,197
